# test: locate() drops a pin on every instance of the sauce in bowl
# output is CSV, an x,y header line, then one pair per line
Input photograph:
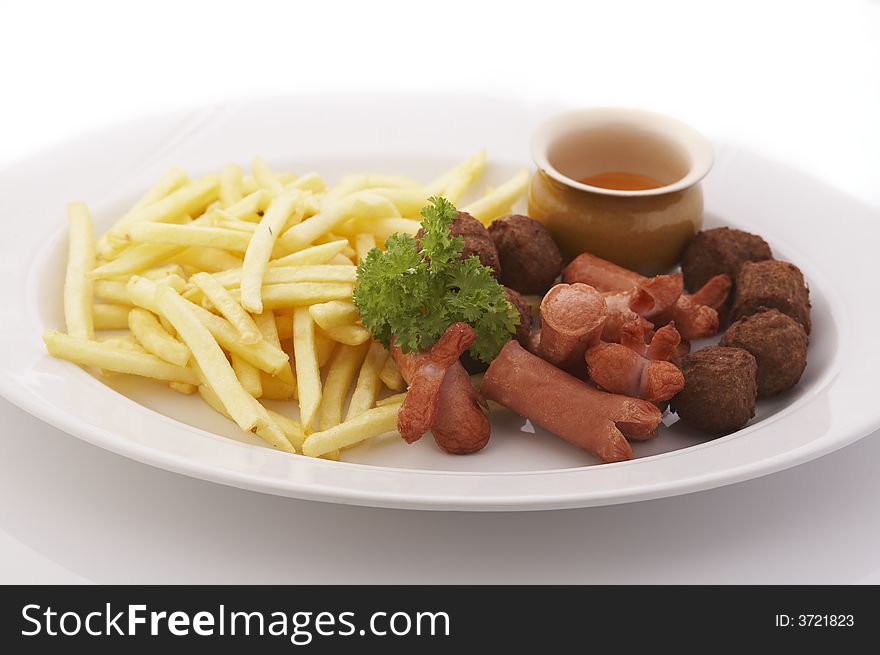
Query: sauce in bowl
x,y
621,180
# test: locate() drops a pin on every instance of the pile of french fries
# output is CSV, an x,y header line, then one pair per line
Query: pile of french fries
x,y
239,287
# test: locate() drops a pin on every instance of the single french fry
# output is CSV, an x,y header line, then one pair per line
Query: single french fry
x,y
371,423
287,427
236,224
364,242
248,375
231,310
189,235
363,204
344,366
390,375
265,176
256,259
112,358
230,185
110,317
350,335
368,383
242,407
354,183
155,339
500,200
246,209
324,347
308,375
263,355
135,260
308,182
299,294
282,385
396,399
249,185
320,254
78,285
453,183
289,274
334,313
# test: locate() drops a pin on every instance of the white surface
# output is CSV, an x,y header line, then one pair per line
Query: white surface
x,y
796,81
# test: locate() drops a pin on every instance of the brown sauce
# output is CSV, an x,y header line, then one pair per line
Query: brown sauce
x,y
622,181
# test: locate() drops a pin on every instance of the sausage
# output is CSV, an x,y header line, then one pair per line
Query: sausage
x,y
460,425
571,409
572,318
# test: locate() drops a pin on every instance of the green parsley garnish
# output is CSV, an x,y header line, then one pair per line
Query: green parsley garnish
x,y
413,291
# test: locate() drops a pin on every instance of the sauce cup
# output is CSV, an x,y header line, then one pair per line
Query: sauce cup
x,y
642,229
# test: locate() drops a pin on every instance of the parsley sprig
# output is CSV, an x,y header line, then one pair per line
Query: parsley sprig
x,y
413,291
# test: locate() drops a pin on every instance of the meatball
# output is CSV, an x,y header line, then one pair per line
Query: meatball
x,y
779,345
530,258
523,331
772,284
721,250
476,241
720,389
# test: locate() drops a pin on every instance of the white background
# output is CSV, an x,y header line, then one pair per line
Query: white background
x,y
797,81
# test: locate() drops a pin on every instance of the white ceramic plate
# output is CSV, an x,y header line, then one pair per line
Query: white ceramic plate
x,y
830,236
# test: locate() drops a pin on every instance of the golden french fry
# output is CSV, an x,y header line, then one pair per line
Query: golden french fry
x,y
189,235
299,294
152,336
263,355
80,263
409,201
288,274
353,183
248,375
236,224
264,176
266,324
453,183
308,375
340,260
135,260
390,375
308,182
371,423
324,347
368,383
396,399
218,374
249,185
112,358
231,310
248,208
350,335
320,254
230,185
110,317
334,313
286,206
499,201
364,242
363,204
344,365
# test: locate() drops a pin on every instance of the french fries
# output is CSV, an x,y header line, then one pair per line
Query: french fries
x,y
368,382
499,201
155,339
80,262
287,206
239,286
308,374
111,357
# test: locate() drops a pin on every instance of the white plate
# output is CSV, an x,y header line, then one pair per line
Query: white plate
x,y
830,236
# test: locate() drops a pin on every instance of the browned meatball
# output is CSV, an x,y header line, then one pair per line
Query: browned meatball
x,y
779,345
530,258
720,250
719,390
523,330
772,284
476,241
